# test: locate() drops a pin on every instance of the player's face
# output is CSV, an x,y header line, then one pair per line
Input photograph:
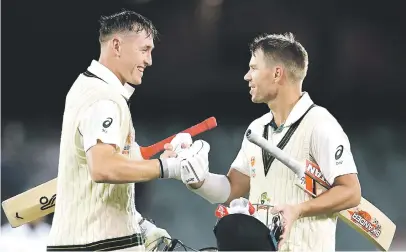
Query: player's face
x,y
260,77
136,56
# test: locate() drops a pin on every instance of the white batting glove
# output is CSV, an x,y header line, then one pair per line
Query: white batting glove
x,y
180,139
195,162
195,155
243,206
153,235
171,166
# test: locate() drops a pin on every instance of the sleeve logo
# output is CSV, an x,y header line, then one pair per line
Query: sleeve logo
x,y
107,122
339,152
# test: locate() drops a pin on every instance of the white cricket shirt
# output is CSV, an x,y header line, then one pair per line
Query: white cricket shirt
x,y
89,215
319,138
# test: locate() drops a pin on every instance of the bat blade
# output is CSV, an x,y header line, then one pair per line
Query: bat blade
x,y
40,200
31,205
365,218
371,223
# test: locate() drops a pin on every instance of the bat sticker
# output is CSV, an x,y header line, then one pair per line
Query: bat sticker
x,y
47,203
18,217
364,220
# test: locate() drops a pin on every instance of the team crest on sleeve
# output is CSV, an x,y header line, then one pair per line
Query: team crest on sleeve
x,y
127,145
252,163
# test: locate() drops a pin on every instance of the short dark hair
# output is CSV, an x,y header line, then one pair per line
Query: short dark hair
x,y
125,21
283,48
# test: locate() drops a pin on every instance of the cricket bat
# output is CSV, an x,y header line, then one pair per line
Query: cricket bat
x,y
40,201
365,218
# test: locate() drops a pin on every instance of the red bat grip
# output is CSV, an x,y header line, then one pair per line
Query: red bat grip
x,y
208,124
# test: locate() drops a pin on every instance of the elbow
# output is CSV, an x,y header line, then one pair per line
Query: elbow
x,y
99,175
99,161
99,178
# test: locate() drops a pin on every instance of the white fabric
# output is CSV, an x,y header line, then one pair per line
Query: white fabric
x,y
86,211
195,162
135,248
326,137
171,168
179,139
316,139
108,76
243,206
331,148
153,234
101,121
215,189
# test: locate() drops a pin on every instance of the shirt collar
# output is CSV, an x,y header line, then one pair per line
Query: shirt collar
x,y
108,76
298,110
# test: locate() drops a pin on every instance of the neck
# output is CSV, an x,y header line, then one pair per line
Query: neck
x,y
283,104
104,60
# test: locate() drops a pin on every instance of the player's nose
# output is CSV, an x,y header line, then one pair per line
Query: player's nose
x,y
148,60
247,76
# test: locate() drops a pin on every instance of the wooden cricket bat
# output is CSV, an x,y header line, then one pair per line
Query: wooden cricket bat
x,y
365,218
40,201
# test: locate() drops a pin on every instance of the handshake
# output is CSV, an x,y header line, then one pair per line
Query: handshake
x,y
186,160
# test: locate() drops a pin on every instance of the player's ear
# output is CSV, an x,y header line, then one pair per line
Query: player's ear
x,y
278,73
116,44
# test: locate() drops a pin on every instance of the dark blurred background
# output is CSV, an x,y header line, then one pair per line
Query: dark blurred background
x,y
356,71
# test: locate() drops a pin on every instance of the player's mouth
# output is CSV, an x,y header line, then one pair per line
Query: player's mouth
x,y
252,89
141,70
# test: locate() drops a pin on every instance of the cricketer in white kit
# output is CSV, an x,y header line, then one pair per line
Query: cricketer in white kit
x,y
303,130
99,159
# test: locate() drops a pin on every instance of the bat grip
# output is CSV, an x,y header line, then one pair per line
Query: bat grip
x,y
149,151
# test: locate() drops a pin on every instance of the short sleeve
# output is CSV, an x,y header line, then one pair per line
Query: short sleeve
x,y
331,150
240,163
101,121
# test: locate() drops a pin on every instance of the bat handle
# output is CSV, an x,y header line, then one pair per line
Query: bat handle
x,y
280,155
208,124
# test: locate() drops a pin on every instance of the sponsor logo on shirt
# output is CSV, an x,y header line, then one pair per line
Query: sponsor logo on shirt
x,y
338,154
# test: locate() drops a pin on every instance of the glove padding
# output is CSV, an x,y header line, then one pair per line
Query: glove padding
x,y
178,140
152,235
237,206
195,162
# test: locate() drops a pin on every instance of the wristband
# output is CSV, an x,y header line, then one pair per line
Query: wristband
x,y
161,166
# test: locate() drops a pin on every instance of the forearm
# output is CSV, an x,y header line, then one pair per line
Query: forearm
x,y
118,169
336,199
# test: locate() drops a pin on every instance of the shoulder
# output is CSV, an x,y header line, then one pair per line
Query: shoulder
x,y
101,110
87,91
326,126
84,83
257,126
324,119
259,123
104,105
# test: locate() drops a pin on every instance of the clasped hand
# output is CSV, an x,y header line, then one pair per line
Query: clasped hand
x,y
192,158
